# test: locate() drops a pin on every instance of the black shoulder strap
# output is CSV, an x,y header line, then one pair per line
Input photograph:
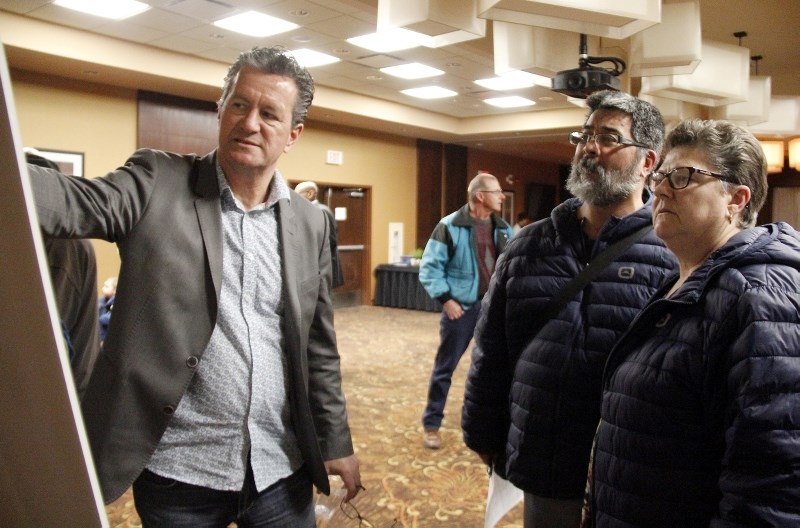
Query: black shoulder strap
x,y
598,264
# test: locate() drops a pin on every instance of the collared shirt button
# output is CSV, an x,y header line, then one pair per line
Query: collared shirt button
x,y
192,362
169,409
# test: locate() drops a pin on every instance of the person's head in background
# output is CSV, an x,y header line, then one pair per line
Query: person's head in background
x,y
523,219
485,194
616,150
711,184
308,189
109,287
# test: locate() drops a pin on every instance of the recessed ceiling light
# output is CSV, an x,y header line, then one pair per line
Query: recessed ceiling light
x,y
514,80
392,40
117,9
412,70
309,58
513,101
429,92
255,24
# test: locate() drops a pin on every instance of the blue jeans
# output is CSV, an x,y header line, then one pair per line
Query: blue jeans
x,y
455,337
164,502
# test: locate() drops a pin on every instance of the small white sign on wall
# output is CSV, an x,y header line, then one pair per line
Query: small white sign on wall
x,y
395,241
334,157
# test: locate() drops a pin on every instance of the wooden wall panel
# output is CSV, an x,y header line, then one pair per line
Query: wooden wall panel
x,y
456,178
429,189
166,122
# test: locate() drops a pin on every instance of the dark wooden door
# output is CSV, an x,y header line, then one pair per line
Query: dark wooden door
x,y
351,207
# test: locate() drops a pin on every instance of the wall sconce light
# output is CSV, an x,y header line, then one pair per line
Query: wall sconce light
x,y
753,111
673,110
784,118
444,21
604,18
657,51
538,50
773,150
705,85
794,154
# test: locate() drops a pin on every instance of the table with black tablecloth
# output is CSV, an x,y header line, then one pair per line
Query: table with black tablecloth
x,y
398,286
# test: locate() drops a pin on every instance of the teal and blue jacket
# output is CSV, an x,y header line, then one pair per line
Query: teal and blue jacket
x,y
449,268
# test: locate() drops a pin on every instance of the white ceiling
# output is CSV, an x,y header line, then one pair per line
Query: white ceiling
x,y
184,26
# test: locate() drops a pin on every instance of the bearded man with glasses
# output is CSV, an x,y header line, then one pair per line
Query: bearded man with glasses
x,y
532,402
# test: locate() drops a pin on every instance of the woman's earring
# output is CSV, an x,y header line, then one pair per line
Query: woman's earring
x,y
730,218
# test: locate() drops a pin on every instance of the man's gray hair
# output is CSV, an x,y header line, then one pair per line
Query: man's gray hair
x,y
647,125
480,183
275,60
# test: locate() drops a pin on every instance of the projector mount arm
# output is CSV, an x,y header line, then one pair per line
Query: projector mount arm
x,y
585,61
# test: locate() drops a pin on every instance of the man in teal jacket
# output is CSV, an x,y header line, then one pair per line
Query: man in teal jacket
x,y
456,267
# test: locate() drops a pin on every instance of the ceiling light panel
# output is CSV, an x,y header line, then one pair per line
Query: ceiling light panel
x,y
413,70
514,81
390,40
309,58
114,9
255,24
513,101
429,92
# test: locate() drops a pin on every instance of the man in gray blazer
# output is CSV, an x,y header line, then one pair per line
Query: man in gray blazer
x,y
218,393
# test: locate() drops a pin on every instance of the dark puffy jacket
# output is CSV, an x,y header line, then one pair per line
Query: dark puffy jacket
x,y
551,389
701,407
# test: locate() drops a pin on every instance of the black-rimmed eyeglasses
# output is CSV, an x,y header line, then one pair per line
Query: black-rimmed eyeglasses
x,y
604,139
350,511
679,177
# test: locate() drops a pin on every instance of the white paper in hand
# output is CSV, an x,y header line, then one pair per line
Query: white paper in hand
x,y
502,497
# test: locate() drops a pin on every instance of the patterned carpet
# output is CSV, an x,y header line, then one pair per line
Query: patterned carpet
x,y
387,355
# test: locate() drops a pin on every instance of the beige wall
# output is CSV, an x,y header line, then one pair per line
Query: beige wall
x,y
100,121
385,164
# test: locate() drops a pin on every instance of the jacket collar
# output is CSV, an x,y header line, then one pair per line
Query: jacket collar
x,y
463,219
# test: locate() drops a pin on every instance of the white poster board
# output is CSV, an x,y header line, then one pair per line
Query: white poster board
x,y
46,473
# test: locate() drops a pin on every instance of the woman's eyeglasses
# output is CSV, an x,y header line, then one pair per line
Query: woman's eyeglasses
x,y
680,177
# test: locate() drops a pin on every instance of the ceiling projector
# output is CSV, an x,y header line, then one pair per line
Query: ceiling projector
x,y
587,79
582,82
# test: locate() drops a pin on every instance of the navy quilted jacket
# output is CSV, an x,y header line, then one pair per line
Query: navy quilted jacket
x,y
550,390
701,403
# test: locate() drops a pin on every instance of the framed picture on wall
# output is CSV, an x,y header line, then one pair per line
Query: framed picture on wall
x,y
508,208
70,163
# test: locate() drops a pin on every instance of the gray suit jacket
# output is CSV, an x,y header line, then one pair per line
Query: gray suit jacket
x,y
163,212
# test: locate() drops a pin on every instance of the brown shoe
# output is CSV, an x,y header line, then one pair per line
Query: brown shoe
x,y
431,439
